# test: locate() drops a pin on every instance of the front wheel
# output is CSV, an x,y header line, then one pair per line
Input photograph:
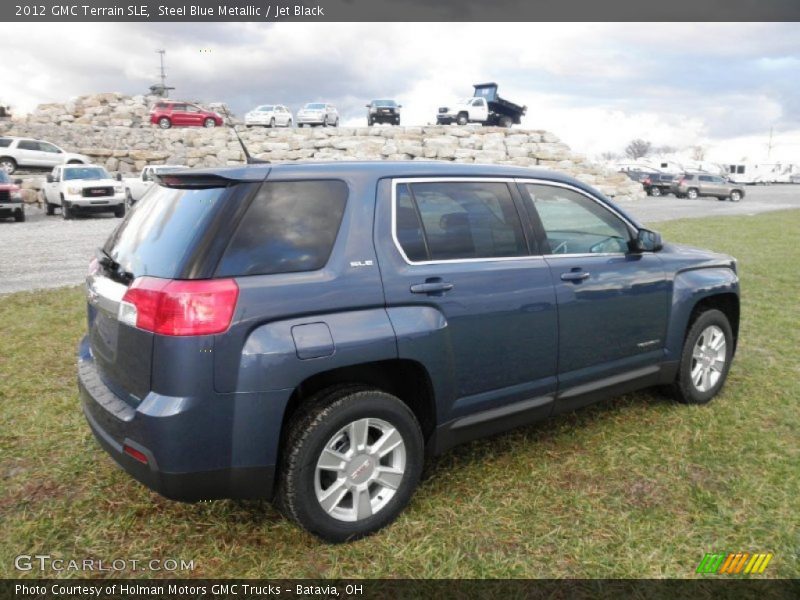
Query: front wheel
x,y
8,164
655,191
66,210
272,123
706,358
119,211
735,196
352,461
19,216
462,119
209,123
164,123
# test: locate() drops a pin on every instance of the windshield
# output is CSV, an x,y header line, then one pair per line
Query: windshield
x,y
85,173
315,106
389,103
265,108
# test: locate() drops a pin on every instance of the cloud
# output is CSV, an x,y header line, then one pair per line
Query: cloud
x,y
596,85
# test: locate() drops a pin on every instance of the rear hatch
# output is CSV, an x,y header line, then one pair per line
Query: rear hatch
x,y
172,234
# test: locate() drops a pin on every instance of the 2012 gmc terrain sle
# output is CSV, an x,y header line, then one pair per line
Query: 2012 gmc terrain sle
x,y
309,331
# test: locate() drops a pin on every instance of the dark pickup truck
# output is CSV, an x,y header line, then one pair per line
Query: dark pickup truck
x,y
485,106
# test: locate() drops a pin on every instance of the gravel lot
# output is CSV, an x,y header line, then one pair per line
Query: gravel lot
x,y
47,252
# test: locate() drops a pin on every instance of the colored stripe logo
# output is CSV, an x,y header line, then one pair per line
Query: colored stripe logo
x,y
734,563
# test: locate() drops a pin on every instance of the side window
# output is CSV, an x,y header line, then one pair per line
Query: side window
x,y
575,224
28,145
5,142
740,169
706,178
290,226
461,220
45,147
408,226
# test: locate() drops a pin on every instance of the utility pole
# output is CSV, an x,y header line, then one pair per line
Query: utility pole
x,y
769,145
161,89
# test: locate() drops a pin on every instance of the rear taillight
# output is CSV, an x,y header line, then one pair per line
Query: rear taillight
x,y
179,307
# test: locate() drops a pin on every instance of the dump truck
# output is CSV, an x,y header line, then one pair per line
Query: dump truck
x,y
485,107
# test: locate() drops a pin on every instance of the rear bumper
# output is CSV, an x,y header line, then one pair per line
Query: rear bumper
x,y
222,446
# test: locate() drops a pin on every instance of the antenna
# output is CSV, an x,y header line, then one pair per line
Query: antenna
x,y
163,75
248,159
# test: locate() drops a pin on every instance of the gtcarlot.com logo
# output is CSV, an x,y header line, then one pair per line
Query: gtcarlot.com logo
x,y
734,563
45,562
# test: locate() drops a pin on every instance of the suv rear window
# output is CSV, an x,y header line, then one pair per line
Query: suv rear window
x,y
5,142
163,229
290,227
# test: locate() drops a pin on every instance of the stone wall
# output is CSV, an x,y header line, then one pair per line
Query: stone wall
x,y
111,129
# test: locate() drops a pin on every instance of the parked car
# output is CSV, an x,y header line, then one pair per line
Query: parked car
x,y
485,107
383,111
318,113
11,204
83,189
136,187
658,184
167,113
693,185
25,152
637,176
309,332
269,115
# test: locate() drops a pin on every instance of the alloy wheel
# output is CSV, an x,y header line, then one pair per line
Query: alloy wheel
x,y
708,358
360,469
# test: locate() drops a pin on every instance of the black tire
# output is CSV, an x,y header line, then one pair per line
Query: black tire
x,y
505,122
684,388
164,123
735,196
370,122
336,122
312,428
692,194
128,200
397,122
9,164
19,216
721,198
209,123
50,209
655,191
66,210
119,211
272,123
462,119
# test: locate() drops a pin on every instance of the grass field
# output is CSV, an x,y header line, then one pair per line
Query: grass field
x,y
635,487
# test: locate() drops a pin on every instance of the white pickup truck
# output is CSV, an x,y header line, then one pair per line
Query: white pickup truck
x,y
136,187
84,188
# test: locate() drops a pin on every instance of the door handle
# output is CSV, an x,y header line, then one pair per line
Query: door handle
x,y
431,287
576,276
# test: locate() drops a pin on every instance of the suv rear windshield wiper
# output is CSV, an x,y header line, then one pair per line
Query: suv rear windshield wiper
x,y
113,267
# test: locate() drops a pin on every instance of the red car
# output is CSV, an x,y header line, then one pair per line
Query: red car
x,y
167,114
11,204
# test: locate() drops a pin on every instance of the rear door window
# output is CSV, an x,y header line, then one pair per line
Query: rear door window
x,y
458,220
290,227
5,142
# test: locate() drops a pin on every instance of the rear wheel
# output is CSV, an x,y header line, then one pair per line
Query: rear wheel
x,y
735,196
692,194
655,191
352,460
272,123
209,122
706,358
164,123
8,164
506,122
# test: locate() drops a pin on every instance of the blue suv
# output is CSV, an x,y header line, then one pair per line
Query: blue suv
x,y
310,332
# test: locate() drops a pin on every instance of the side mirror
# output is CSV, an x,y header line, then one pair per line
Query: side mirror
x,y
50,179
367,105
119,176
399,106
647,241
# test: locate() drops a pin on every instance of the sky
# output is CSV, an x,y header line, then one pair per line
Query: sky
x,y
723,86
